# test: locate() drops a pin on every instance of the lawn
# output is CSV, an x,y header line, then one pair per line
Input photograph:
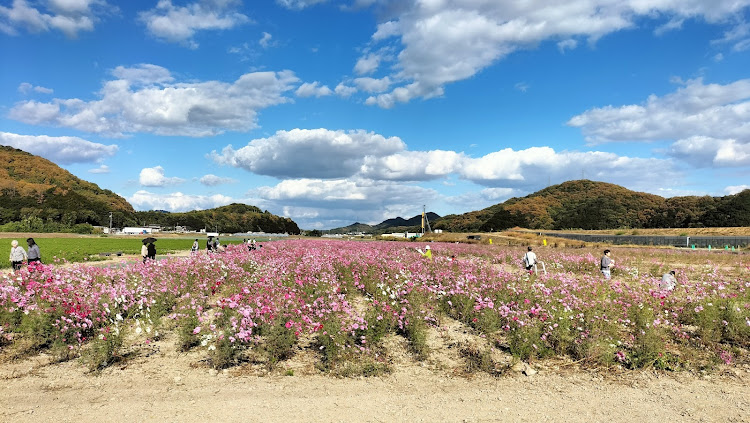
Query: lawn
x,y
79,249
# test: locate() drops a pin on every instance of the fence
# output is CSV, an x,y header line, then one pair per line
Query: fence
x,y
675,241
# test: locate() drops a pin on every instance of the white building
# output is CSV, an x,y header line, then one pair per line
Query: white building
x,y
135,231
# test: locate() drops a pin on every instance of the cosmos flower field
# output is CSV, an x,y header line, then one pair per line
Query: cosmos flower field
x,y
341,299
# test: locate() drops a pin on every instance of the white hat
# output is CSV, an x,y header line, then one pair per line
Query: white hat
x,y
427,247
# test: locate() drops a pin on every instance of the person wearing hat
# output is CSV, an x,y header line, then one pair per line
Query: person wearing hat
x,y
668,281
426,253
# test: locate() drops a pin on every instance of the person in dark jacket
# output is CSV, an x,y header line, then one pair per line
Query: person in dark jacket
x,y
151,248
33,254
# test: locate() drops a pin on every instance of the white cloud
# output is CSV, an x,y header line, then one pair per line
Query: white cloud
x,y
25,88
709,123
298,4
738,36
534,167
702,151
344,91
265,41
144,99
521,86
154,177
177,201
144,74
180,24
412,165
311,153
310,89
449,41
68,16
61,150
372,85
367,64
100,170
735,189
568,44
213,180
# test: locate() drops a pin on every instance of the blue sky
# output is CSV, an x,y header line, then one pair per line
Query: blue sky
x,y
336,111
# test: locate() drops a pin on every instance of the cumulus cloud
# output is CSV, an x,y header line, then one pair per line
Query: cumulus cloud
x,y
367,64
372,85
310,153
344,91
177,201
534,167
735,189
146,99
709,124
61,150
444,42
180,23
100,170
412,165
702,151
213,180
67,16
313,89
154,177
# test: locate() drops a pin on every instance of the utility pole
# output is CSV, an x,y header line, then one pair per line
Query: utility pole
x,y
110,223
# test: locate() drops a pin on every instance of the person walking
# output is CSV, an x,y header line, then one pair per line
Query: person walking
x,y
17,255
144,252
34,256
606,265
529,260
151,250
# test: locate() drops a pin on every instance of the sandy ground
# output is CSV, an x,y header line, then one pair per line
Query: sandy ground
x,y
166,387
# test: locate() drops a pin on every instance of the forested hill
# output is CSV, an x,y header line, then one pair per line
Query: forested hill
x,y
31,186
588,204
232,218
36,195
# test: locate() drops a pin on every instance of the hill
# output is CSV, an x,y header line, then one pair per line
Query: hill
x,y
397,224
38,191
586,204
232,218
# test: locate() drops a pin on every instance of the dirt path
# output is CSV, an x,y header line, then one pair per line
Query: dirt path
x,y
160,384
170,390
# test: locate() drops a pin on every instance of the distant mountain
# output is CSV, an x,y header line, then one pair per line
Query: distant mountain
x,y
31,186
397,224
585,204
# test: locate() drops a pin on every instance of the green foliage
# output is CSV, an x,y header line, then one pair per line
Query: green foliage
x,y
186,339
279,344
106,348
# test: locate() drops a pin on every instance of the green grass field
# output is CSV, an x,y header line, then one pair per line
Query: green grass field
x,y
89,248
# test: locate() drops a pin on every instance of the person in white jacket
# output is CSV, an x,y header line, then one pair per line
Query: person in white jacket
x,y
17,255
529,260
